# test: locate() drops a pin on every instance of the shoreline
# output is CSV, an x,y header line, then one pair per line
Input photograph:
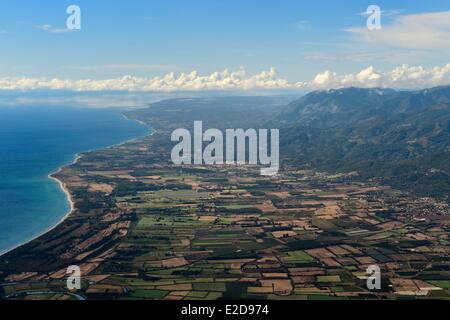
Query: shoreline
x,y
69,198
66,191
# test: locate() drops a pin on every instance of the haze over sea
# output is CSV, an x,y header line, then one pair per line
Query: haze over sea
x,y
34,142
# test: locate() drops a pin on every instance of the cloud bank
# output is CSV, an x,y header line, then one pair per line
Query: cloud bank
x,y
402,77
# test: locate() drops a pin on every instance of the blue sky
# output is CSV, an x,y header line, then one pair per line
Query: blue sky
x,y
151,38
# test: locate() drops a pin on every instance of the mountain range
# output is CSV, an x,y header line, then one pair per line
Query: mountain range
x,y
402,137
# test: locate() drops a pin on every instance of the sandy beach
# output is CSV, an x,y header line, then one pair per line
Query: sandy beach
x,y
66,191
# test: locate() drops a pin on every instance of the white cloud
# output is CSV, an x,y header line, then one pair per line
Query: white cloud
x,y
404,77
51,29
193,81
410,39
426,31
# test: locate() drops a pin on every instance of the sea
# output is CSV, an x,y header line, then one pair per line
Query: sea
x,y
36,141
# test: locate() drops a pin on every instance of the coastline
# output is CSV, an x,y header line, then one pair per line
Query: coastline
x,y
66,191
69,199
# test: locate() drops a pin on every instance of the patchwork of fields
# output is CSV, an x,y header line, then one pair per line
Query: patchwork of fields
x,y
146,229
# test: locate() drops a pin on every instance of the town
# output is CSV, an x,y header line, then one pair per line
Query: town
x,y
236,147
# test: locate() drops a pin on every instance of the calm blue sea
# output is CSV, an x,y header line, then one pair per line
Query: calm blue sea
x,y
36,141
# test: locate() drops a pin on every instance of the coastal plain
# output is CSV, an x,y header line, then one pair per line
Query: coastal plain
x,y
143,228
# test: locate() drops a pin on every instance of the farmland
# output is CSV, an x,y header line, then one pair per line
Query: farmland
x,y
144,228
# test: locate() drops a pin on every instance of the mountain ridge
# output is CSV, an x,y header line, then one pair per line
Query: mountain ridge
x,y
401,136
